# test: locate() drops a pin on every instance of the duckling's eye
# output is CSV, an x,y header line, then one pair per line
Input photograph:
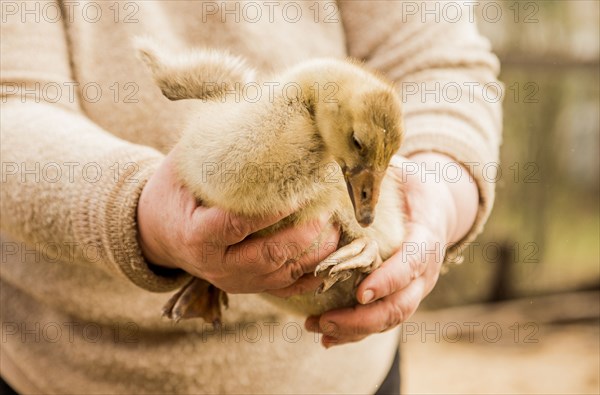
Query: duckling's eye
x,y
356,143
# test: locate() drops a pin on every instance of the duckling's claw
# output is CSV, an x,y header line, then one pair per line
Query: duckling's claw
x,y
361,255
198,298
343,254
331,280
365,262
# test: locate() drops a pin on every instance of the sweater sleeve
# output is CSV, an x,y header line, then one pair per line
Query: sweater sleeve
x,y
446,75
67,185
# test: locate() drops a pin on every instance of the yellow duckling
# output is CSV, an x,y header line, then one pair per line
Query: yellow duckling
x,y
320,139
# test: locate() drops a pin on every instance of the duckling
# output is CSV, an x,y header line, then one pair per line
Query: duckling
x,y
321,140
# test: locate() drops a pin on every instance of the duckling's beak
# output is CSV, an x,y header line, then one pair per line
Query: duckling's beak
x,y
363,187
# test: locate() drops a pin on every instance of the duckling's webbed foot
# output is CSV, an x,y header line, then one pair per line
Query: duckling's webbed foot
x,y
360,255
198,298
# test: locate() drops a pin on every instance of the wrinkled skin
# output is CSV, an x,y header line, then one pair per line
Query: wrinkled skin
x,y
176,232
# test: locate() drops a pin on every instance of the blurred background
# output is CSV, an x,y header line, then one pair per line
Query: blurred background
x,y
521,314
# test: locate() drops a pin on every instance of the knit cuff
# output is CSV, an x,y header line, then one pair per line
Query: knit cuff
x,y
106,216
456,139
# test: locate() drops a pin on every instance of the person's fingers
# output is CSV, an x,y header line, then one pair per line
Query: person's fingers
x,y
286,277
312,324
402,268
225,228
329,332
362,320
264,255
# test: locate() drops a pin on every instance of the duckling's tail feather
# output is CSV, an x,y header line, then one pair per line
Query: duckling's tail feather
x,y
198,74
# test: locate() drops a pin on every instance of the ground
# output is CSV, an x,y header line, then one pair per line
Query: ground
x,y
545,345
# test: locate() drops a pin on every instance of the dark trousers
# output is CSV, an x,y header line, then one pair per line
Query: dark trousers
x,y
391,384
5,389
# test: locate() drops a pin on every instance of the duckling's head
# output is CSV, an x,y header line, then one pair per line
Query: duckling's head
x,y
362,129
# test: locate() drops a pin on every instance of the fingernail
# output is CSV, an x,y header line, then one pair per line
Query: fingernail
x,y
367,296
329,341
330,329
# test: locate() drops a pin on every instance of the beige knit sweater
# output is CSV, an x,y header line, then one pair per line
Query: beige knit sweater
x,y
83,127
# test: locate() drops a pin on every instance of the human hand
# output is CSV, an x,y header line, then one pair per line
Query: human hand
x,y
438,212
175,232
